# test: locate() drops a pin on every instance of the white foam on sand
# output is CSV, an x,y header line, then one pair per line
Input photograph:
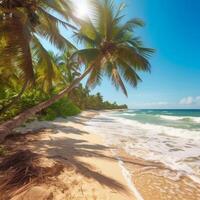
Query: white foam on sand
x,y
176,148
128,177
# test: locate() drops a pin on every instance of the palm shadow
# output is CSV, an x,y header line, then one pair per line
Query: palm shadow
x,y
56,149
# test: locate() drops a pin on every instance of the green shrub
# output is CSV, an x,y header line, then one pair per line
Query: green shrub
x,y
29,98
49,115
62,108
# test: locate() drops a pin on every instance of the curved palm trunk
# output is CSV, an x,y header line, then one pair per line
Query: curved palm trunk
x,y
7,127
14,99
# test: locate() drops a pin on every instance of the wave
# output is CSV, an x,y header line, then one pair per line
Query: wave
x,y
115,123
128,114
182,118
158,129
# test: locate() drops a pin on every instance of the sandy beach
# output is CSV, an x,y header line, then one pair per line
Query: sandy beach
x,y
90,169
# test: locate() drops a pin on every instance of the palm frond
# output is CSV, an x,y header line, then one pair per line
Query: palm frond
x,y
128,73
95,77
46,69
86,56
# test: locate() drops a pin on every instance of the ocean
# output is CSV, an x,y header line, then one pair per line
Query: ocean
x,y
171,137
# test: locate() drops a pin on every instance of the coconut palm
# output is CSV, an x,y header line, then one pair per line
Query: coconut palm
x,y
48,75
112,49
22,22
69,67
120,54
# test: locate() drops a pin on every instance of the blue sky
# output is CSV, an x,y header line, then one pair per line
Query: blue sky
x,y
173,30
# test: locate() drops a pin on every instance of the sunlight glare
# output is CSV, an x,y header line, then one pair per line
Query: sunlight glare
x,y
81,8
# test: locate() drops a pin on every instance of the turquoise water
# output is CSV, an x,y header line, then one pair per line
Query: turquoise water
x,y
186,119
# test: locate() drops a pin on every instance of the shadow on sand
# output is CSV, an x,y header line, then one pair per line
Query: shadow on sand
x,y
68,150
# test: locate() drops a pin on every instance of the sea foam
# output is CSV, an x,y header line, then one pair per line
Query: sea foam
x,y
176,118
176,148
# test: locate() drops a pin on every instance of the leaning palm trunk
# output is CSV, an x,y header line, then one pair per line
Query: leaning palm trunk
x,y
7,127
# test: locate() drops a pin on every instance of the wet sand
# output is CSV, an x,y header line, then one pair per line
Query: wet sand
x,y
156,182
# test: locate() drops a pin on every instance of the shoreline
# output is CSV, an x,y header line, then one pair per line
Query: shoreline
x,y
100,171
153,179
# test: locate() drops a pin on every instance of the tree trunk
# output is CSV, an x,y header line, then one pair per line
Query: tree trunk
x,y
14,99
7,127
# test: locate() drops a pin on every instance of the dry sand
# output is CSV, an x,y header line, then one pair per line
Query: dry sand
x,y
90,170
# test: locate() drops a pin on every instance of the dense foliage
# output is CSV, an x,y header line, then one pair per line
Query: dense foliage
x,y
62,108
79,99
83,99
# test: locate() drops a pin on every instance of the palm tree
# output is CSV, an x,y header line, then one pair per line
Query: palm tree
x,y
112,43
48,75
70,68
22,22
111,49
12,87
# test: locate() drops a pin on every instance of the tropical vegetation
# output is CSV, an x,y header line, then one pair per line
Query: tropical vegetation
x,y
33,80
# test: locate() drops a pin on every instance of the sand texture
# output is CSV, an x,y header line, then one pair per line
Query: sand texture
x,y
89,169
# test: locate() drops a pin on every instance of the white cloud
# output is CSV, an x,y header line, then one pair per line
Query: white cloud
x,y
187,101
190,100
198,98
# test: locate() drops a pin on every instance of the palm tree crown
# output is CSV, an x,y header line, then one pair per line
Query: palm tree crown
x,y
113,44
